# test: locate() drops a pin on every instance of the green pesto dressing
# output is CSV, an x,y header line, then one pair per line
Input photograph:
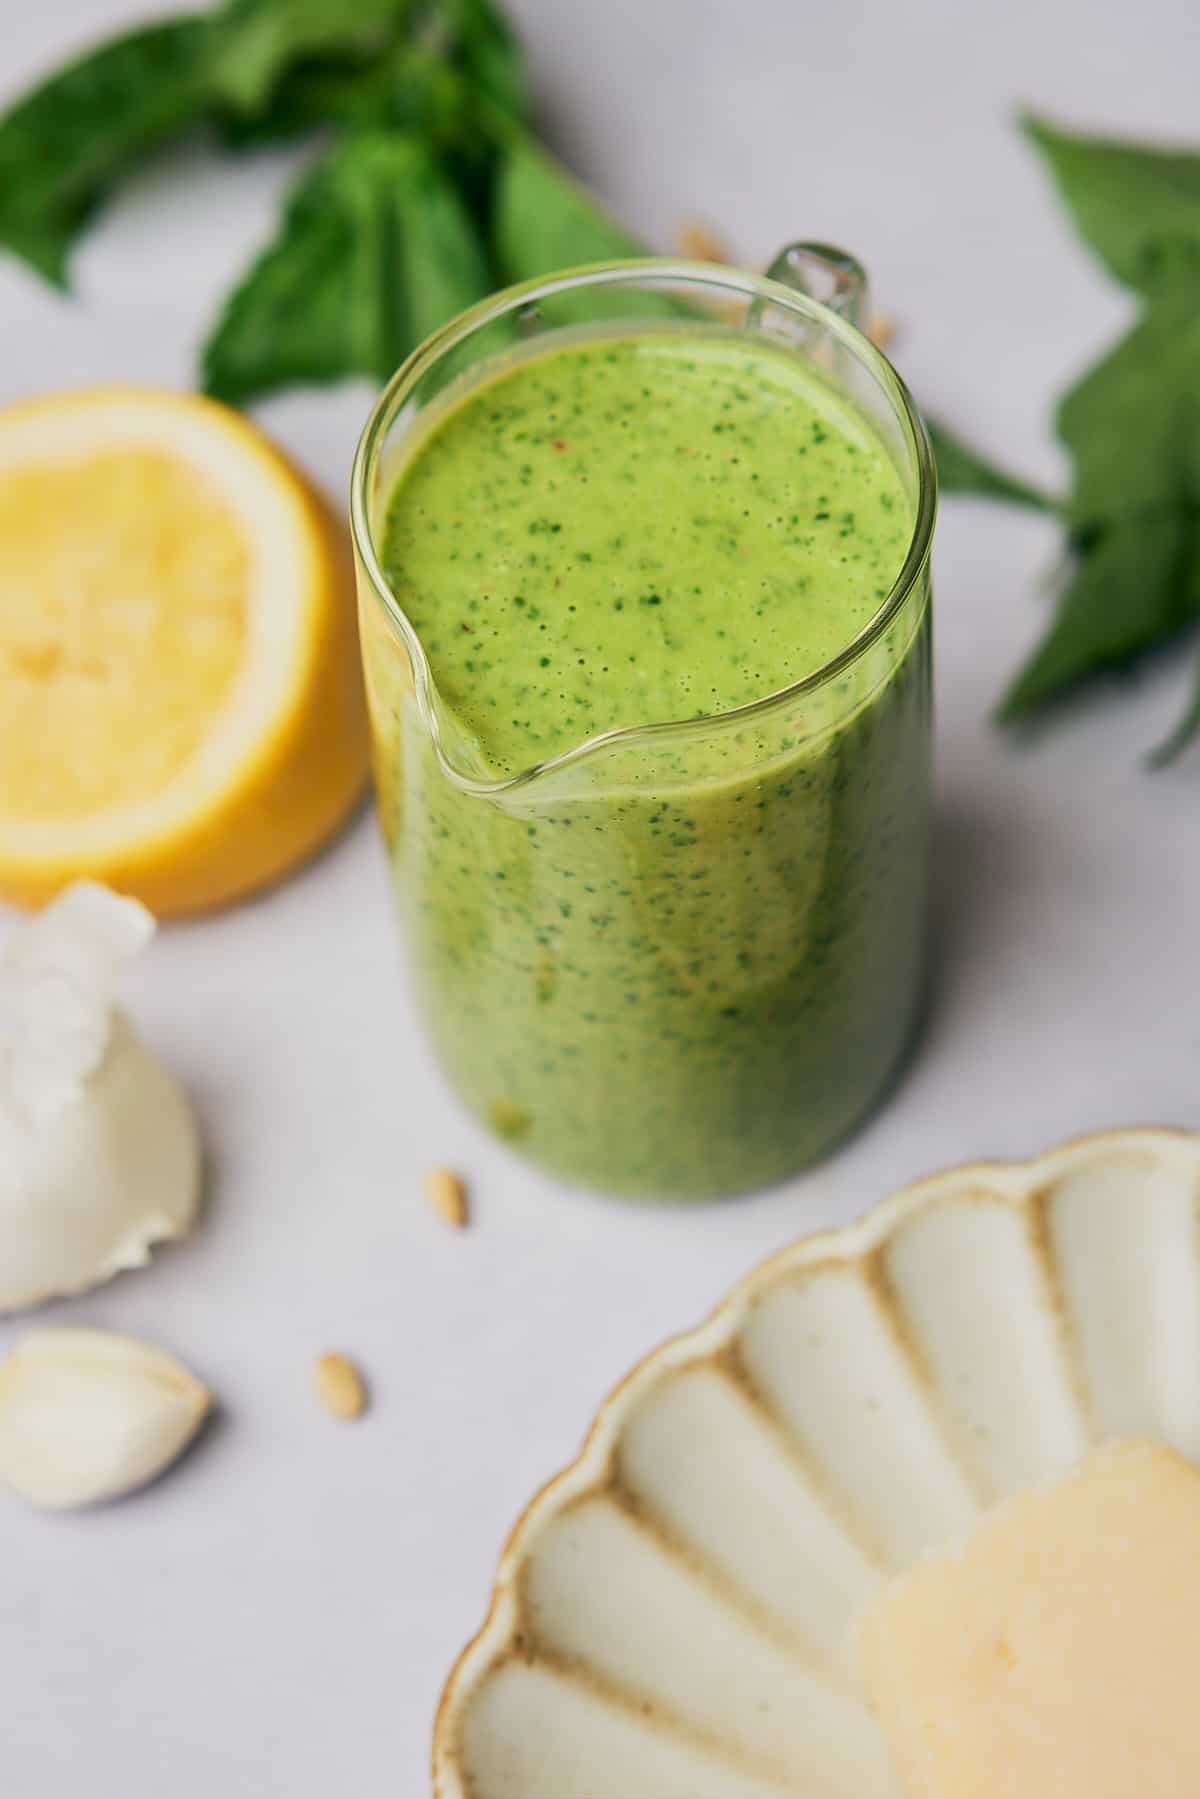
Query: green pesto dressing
x,y
687,965
637,530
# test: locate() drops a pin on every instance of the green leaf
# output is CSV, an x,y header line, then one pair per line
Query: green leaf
x,y
963,470
457,75
1132,425
1132,589
1133,422
64,143
545,220
376,250
490,53
258,41
410,88
1137,209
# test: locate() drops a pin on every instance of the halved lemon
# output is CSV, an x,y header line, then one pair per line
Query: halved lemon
x,y
181,710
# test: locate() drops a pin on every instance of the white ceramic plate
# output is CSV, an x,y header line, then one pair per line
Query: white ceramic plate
x,y
674,1616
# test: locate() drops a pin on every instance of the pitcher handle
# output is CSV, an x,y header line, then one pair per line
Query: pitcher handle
x,y
828,275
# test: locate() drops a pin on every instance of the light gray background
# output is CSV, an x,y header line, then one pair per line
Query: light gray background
x,y
277,1617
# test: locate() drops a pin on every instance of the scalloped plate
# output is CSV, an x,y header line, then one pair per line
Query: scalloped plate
x,y
674,1615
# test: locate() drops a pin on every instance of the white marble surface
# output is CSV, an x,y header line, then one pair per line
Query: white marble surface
x,y
277,1617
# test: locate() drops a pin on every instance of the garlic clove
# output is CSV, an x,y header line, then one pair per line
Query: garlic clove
x,y
90,1195
88,1415
59,975
99,1154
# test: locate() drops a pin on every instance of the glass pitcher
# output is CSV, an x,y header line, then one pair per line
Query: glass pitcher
x,y
679,959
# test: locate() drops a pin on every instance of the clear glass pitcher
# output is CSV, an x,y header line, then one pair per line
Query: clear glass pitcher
x,y
679,959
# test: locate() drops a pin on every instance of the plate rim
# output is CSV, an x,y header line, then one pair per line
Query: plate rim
x,y
1016,1180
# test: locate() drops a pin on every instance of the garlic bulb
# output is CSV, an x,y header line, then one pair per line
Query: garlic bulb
x,y
87,1415
99,1157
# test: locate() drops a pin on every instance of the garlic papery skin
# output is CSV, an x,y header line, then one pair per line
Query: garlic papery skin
x,y
89,1415
99,1153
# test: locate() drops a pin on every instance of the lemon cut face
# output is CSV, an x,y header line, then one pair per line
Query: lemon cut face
x,y
179,685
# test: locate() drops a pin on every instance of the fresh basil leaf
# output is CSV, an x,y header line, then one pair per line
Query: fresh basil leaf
x,y
1138,209
410,88
963,470
64,143
376,250
1131,589
1133,422
456,74
489,51
544,220
1132,425
258,41
311,96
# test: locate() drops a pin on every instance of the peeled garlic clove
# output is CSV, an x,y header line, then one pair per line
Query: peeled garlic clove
x,y
91,1192
87,1415
99,1155
59,975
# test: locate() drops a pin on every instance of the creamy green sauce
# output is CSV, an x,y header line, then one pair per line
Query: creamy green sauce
x,y
638,530
689,967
